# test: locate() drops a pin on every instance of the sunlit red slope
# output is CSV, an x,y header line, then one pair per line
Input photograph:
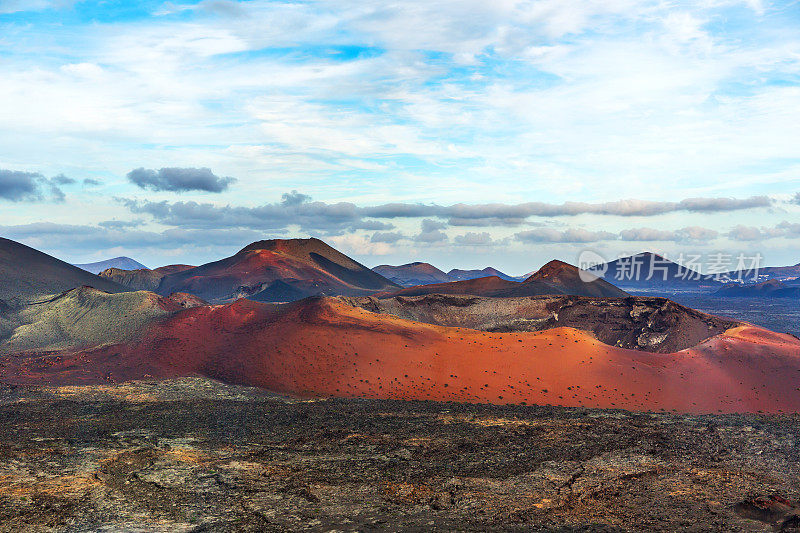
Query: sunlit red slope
x,y
324,347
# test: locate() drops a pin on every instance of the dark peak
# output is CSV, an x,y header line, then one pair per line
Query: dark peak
x,y
651,256
283,245
552,269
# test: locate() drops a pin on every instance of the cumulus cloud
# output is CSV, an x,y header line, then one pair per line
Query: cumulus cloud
x,y
387,237
90,182
76,237
308,216
753,233
474,239
431,232
296,209
689,233
19,186
570,235
120,224
515,214
179,179
61,179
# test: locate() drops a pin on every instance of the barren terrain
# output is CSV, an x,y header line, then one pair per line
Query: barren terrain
x,y
197,455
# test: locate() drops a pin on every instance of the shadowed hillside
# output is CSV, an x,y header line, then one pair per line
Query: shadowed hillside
x,y
27,273
412,274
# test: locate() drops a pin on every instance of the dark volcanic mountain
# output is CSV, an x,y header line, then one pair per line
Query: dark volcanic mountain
x,y
646,271
766,289
122,263
569,279
278,270
412,274
27,273
142,279
555,277
463,275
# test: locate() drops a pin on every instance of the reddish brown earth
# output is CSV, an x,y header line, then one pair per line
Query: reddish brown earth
x,y
637,322
325,347
277,270
556,277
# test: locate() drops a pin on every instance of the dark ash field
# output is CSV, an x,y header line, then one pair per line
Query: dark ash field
x,y
196,455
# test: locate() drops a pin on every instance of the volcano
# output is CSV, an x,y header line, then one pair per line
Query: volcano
x,y
412,274
142,279
320,347
277,270
649,271
27,273
122,263
556,277
462,275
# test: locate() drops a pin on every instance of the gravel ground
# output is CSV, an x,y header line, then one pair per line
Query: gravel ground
x,y
196,455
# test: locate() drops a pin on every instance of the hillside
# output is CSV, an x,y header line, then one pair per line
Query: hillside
x,y
27,273
142,279
570,280
122,263
556,277
323,347
638,323
412,274
462,275
649,271
766,289
86,318
263,270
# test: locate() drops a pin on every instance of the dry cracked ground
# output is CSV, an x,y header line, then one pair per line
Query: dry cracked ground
x,y
196,455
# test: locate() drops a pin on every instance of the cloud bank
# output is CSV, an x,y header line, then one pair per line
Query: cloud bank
x,y
179,180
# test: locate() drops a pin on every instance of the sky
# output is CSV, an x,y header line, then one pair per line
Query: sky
x,y
464,133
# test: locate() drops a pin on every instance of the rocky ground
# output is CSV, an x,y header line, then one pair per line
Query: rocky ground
x,y
196,455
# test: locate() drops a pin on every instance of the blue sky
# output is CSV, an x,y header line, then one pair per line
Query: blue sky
x,y
627,108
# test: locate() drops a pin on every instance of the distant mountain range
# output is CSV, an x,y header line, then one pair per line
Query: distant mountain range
x,y
412,274
60,325
461,275
766,289
649,271
556,277
784,273
419,273
123,263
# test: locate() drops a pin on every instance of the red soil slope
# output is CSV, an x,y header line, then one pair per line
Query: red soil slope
x,y
323,347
